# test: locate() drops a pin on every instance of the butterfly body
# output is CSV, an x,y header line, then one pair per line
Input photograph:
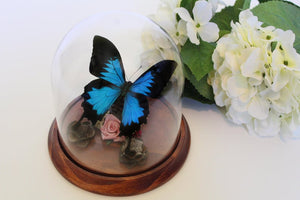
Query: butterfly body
x,y
111,92
125,88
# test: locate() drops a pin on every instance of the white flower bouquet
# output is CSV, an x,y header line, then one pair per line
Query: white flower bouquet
x,y
244,60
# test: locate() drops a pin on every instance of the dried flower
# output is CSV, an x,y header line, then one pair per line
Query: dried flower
x,y
110,129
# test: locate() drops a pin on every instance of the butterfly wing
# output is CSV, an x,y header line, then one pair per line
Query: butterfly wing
x,y
135,112
149,84
103,52
152,82
100,94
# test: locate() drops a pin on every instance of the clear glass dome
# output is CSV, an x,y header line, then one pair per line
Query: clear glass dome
x,y
132,124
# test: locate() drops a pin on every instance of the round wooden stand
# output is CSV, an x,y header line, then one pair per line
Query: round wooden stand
x,y
119,185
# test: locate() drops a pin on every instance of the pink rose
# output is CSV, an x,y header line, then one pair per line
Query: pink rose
x,y
110,130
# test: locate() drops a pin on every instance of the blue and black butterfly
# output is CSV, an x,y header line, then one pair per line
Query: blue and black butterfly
x,y
111,92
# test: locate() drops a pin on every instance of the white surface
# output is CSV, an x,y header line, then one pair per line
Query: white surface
x,y
224,163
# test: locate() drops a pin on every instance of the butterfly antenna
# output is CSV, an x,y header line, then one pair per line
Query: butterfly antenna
x,y
135,73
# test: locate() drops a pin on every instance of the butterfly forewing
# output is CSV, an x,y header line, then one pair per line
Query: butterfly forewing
x,y
152,82
143,84
104,51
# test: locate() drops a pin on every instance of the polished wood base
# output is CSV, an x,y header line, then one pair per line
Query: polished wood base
x,y
118,185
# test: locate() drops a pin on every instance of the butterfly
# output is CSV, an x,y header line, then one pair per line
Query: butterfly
x,y
112,92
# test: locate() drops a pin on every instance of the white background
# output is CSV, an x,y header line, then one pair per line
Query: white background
x,y
224,163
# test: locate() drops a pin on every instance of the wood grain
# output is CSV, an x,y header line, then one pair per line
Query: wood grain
x,y
121,185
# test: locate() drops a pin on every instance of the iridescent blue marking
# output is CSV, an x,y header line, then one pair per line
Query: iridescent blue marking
x,y
131,110
113,73
102,99
143,84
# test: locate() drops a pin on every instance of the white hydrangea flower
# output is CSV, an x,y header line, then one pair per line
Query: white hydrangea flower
x,y
166,18
216,4
257,77
200,25
156,48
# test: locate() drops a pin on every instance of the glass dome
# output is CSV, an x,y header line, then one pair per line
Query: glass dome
x,y
117,81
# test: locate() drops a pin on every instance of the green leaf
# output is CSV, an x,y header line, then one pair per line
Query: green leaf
x,y
201,86
224,18
286,1
189,5
242,4
281,15
223,32
198,58
191,92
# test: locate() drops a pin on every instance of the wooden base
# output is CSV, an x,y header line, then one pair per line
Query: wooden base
x,y
118,185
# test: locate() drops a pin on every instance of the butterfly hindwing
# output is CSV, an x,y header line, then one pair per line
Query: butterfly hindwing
x,y
135,112
92,92
103,98
132,111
